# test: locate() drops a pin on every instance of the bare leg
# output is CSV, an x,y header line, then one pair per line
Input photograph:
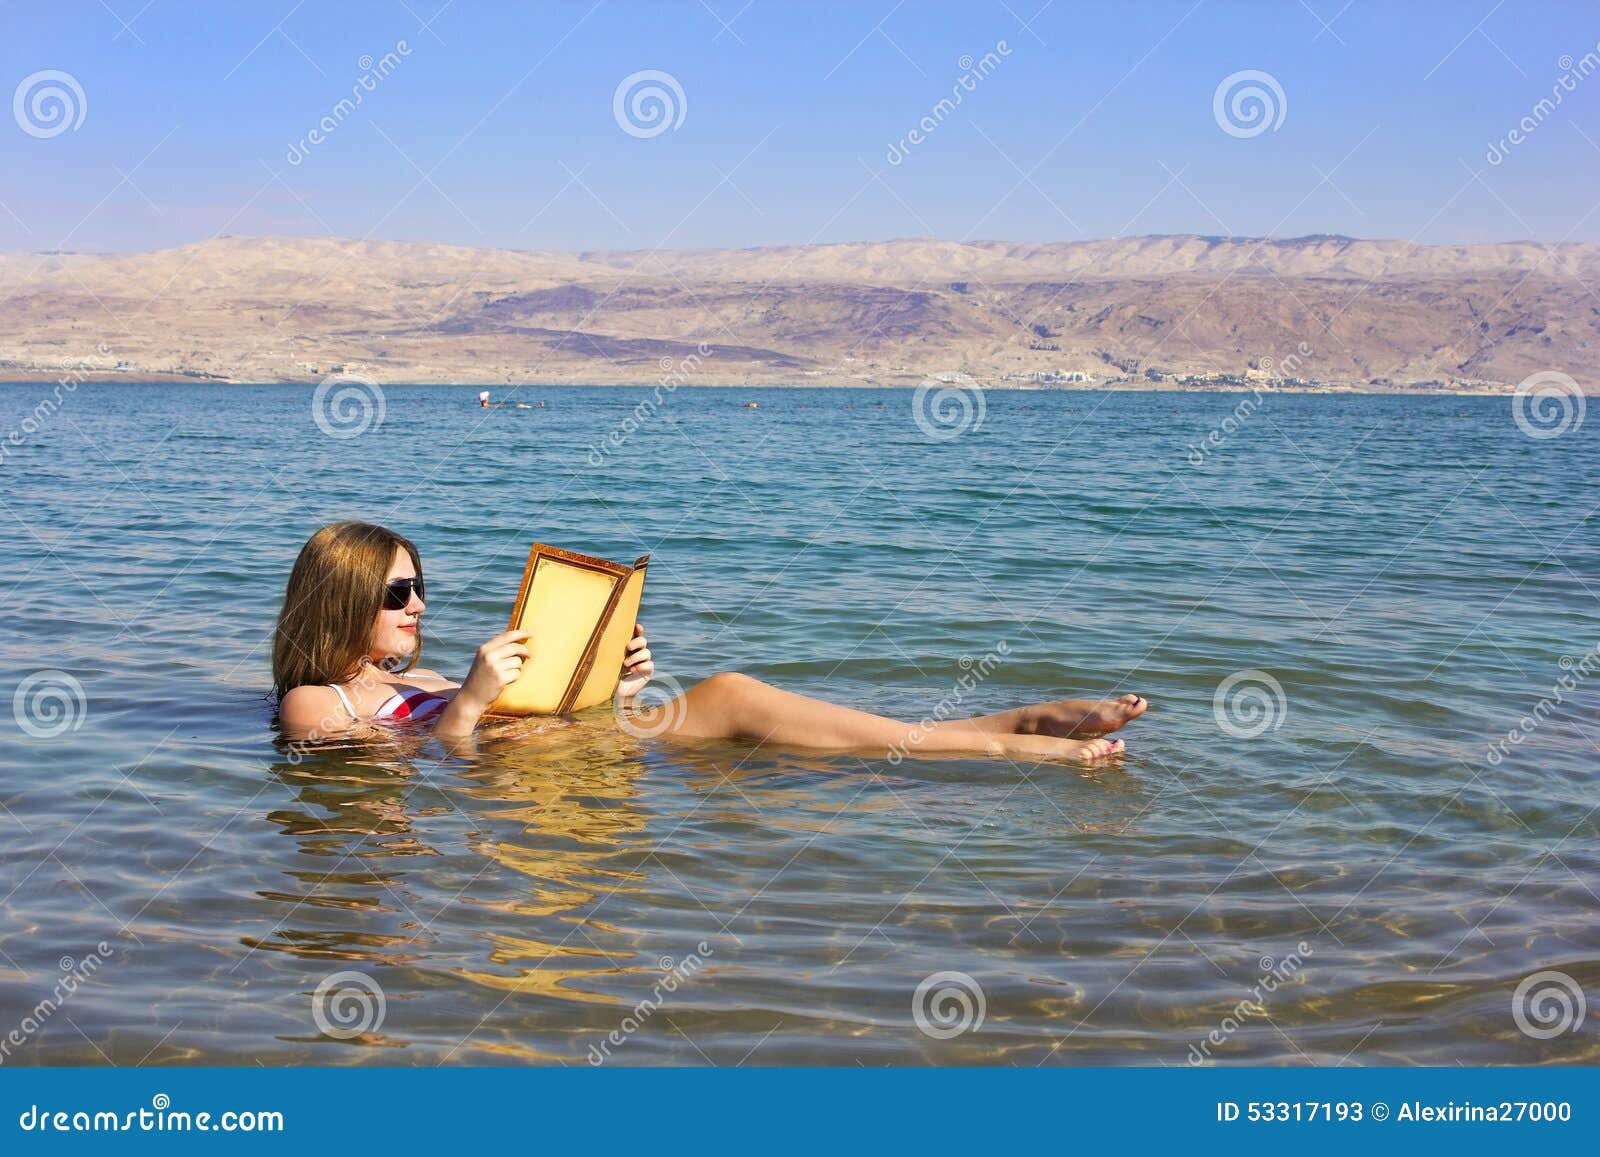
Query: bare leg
x,y
1078,718
732,706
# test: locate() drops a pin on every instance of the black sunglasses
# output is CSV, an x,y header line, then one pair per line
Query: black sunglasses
x,y
397,595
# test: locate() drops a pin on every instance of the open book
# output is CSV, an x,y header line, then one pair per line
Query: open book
x,y
581,611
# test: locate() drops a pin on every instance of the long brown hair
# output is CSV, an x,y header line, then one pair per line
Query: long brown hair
x,y
335,592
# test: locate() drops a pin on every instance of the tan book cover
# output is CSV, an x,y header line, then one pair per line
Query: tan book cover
x,y
581,610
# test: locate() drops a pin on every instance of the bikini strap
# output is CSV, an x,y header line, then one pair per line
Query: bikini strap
x,y
345,699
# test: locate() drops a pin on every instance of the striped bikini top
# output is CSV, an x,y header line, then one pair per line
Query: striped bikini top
x,y
411,703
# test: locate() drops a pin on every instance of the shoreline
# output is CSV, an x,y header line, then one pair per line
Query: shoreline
x,y
101,377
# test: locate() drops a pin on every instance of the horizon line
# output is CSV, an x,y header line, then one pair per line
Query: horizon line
x,y
1214,238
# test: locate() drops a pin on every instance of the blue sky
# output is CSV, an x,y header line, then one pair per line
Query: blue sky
x,y
496,126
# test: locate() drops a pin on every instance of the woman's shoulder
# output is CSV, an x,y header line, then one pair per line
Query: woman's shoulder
x,y
309,705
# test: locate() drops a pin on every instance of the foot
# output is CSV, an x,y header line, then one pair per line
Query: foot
x,y
1083,718
1051,747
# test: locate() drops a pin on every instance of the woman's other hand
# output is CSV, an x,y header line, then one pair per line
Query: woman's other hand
x,y
637,666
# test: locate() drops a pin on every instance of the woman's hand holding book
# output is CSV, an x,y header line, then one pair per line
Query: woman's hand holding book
x,y
495,666
637,666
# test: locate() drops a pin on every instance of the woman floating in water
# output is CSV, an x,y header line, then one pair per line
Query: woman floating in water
x,y
350,635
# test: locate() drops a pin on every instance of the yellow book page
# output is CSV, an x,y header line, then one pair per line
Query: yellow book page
x,y
603,677
563,605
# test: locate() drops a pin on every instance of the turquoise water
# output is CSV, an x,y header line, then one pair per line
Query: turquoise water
x,y
1414,574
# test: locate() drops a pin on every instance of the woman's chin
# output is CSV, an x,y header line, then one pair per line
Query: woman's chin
x,y
396,654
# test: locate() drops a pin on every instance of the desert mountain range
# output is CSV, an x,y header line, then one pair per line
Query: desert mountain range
x,y
1207,311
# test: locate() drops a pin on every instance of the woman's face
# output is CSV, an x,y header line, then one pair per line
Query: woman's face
x,y
394,635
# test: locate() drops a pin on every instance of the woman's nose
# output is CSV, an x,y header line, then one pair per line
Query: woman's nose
x,y
415,605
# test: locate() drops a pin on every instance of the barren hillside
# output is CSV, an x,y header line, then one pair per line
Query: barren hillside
x,y
1368,314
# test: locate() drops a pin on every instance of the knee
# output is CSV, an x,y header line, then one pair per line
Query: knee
x,y
727,683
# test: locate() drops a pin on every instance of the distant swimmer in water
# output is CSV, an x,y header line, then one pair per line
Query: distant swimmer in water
x,y
483,400
350,634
